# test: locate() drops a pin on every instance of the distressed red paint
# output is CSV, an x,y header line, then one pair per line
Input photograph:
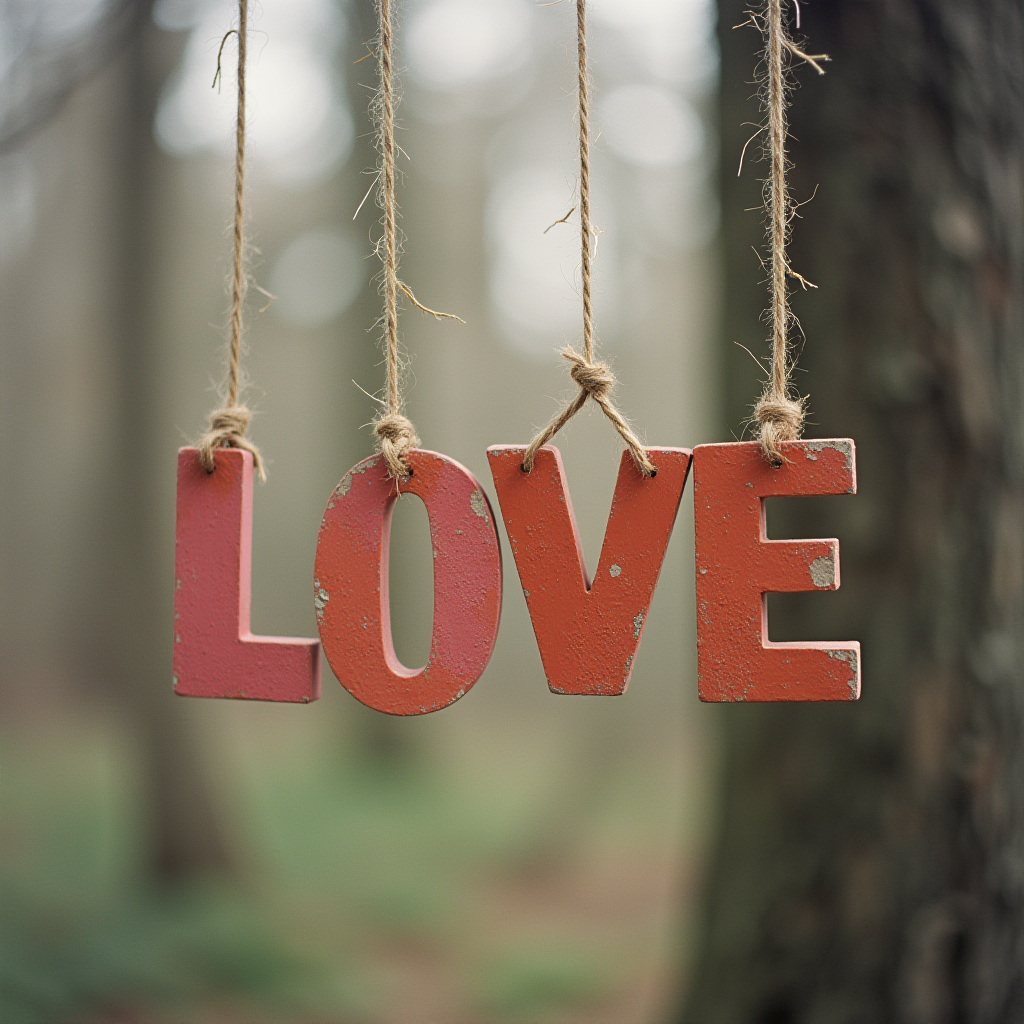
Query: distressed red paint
x,y
737,566
215,652
351,584
588,632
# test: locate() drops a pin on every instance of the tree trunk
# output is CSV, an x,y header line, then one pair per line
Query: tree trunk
x,y
184,834
870,863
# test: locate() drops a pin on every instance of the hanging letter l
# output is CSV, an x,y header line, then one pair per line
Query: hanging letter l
x,y
215,653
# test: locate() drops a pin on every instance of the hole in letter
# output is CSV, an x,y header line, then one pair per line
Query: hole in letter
x,y
411,581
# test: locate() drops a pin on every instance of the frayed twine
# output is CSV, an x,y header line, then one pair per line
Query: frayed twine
x,y
227,429
396,437
779,419
595,380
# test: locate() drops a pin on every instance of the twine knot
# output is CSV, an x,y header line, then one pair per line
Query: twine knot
x,y
595,379
780,419
227,429
396,437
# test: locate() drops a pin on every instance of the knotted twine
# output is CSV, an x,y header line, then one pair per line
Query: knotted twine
x,y
594,379
779,413
396,436
229,424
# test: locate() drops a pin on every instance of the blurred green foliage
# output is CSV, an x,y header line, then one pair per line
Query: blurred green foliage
x,y
536,984
347,864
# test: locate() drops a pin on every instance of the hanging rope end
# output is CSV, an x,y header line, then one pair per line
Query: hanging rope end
x,y
642,461
396,437
779,419
227,429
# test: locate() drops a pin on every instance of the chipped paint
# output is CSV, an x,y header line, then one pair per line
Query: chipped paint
x,y
840,445
823,572
346,481
628,667
614,571
638,624
478,503
852,659
320,599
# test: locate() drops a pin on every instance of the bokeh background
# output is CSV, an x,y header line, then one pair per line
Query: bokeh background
x,y
518,856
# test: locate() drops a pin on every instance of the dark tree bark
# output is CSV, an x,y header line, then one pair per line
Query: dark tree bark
x,y
870,864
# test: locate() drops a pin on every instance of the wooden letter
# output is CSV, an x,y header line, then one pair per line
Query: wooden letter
x,y
588,633
215,654
737,566
351,584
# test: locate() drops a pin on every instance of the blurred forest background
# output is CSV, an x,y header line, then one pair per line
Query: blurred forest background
x,y
519,856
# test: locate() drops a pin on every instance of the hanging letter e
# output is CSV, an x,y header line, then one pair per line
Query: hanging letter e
x,y
588,632
737,566
351,585
215,654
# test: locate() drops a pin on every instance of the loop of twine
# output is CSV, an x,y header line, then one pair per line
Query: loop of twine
x,y
229,424
594,379
780,416
396,437
227,430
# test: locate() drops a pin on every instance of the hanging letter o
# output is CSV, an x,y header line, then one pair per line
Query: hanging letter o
x,y
351,584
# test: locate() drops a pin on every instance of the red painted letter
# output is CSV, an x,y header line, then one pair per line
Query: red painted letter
x,y
737,565
215,654
351,584
588,633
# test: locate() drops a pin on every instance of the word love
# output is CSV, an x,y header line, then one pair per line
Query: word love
x,y
588,630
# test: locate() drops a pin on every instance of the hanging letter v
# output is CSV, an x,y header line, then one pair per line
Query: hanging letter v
x,y
215,653
588,633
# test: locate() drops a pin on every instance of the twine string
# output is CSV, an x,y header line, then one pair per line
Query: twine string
x,y
583,89
779,415
228,425
594,379
395,433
